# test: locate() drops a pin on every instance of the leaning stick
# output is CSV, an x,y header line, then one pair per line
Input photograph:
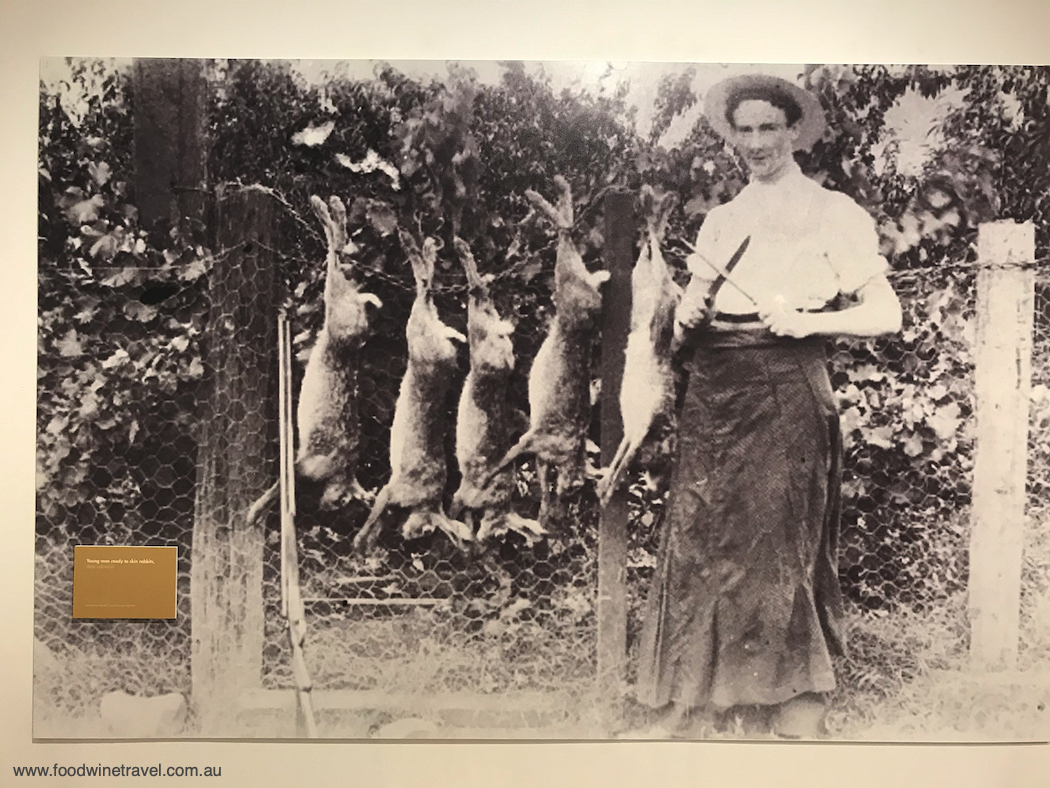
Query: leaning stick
x,y
291,594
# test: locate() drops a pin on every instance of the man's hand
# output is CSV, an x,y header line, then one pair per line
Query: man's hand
x,y
785,322
694,310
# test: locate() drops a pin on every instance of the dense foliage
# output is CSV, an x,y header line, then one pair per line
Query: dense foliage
x,y
117,378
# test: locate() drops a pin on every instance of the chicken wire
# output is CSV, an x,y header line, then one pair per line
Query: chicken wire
x,y
907,406
134,493
420,616
426,618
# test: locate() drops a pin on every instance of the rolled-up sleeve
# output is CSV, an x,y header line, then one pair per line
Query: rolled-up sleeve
x,y
853,245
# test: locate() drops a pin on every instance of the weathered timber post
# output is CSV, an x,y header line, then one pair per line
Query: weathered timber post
x,y
236,459
170,142
612,533
1002,358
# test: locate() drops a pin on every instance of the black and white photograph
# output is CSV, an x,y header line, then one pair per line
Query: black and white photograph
x,y
546,400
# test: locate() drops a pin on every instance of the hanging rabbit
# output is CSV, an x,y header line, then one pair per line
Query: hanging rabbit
x,y
327,417
485,417
559,381
418,471
648,388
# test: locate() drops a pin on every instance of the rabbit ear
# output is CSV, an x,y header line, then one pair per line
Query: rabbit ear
x,y
339,224
423,264
408,243
466,257
321,212
531,215
431,246
415,259
656,206
451,333
370,298
545,207
598,278
665,205
646,200
564,201
462,247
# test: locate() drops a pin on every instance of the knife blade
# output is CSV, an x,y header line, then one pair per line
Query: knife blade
x,y
724,272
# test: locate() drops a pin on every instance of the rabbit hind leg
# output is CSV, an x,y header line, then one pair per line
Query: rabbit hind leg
x,y
367,536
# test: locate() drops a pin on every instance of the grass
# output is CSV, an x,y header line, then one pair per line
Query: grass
x,y
412,653
906,678
76,662
908,675
69,684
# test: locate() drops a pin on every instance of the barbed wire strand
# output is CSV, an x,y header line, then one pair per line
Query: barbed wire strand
x,y
208,261
404,283
513,270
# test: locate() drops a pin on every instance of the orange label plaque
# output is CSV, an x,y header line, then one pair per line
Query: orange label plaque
x,y
124,582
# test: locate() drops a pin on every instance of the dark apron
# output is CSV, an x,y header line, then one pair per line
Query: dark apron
x,y
745,606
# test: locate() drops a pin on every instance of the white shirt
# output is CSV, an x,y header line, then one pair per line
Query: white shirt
x,y
808,244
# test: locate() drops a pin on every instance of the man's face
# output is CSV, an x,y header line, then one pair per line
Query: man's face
x,y
763,138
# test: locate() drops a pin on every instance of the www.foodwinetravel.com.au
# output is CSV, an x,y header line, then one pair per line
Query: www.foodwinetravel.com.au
x,y
119,770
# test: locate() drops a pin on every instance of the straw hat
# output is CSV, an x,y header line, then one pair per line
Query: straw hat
x,y
810,125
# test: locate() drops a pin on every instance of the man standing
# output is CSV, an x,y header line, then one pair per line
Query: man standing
x,y
745,608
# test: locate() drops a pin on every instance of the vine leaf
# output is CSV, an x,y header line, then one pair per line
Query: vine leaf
x,y
69,345
312,136
100,173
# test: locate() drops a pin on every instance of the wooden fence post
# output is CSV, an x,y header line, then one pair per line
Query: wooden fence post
x,y
236,459
1002,376
618,252
170,139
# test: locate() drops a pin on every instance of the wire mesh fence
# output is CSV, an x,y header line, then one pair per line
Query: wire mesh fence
x,y
133,491
421,616
516,615
907,407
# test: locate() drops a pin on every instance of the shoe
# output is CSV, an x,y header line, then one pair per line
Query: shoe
x,y
746,722
802,717
672,724
656,732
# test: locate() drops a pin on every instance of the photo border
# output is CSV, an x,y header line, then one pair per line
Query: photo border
x,y
888,32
